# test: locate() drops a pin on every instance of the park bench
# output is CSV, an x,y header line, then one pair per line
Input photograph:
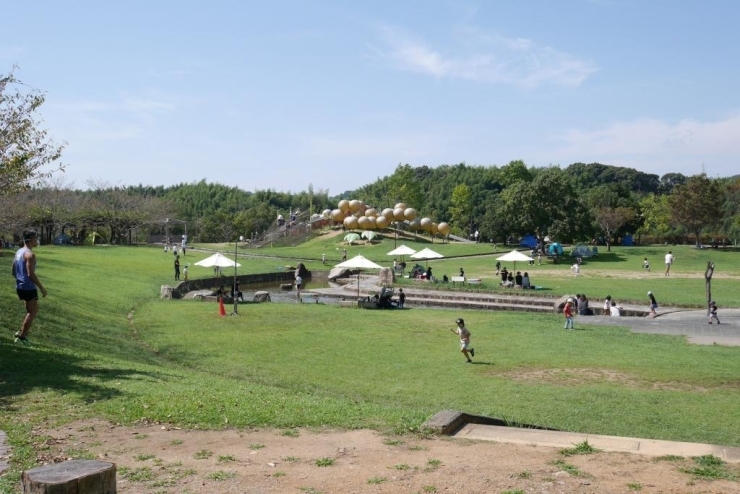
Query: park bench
x,y
458,279
474,281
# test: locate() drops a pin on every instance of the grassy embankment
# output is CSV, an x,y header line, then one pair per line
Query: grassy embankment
x,y
286,365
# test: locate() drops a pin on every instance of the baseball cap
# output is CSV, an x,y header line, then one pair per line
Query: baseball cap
x,y
29,235
459,321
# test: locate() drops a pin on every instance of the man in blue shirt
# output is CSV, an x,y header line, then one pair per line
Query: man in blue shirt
x,y
27,283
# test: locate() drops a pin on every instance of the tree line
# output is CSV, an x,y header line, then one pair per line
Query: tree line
x,y
578,203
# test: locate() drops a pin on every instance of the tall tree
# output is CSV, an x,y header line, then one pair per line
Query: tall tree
x,y
697,205
25,149
404,187
461,208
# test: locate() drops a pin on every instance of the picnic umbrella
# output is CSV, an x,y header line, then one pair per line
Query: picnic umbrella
x,y
351,237
218,260
402,250
358,262
514,256
426,254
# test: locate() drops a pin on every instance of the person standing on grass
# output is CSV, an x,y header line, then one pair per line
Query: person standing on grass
x,y
653,305
177,268
568,313
713,311
669,262
464,334
27,284
401,298
646,264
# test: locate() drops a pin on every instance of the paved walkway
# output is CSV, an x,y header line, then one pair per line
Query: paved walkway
x,y
678,322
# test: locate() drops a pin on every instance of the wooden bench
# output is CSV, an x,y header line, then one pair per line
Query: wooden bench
x,y
458,279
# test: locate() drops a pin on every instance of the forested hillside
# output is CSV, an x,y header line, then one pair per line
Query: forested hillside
x,y
577,203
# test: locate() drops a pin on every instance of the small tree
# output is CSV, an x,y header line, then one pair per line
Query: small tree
x,y
25,149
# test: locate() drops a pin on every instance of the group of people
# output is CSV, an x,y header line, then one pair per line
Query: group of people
x,y
510,280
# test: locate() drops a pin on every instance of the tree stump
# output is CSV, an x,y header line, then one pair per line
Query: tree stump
x,y
71,477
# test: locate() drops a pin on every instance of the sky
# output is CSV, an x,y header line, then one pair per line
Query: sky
x,y
335,94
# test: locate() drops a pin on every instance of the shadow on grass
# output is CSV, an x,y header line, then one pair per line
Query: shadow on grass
x,y
605,258
24,369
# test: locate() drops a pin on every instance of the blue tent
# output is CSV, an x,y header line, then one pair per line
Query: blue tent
x,y
528,240
555,248
627,240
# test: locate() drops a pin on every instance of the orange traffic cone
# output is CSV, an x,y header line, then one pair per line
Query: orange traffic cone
x,y
221,309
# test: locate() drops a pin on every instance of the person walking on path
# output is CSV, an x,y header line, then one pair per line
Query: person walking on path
x,y
401,298
177,268
576,268
464,334
653,305
568,313
646,264
669,258
713,312
27,284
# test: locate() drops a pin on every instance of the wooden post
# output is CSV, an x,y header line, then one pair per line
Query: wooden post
x,y
71,477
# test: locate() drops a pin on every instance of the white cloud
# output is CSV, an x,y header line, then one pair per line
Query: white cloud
x,y
484,57
657,146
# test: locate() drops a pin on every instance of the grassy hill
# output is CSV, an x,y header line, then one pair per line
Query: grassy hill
x,y
104,345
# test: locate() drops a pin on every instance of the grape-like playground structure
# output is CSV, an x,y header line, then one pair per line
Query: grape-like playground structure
x,y
355,214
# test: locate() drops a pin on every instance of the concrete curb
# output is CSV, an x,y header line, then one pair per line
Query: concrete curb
x,y
466,426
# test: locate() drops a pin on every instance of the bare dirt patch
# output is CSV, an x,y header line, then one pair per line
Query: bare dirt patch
x,y
163,459
577,377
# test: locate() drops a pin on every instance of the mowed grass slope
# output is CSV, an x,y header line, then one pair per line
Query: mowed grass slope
x,y
106,346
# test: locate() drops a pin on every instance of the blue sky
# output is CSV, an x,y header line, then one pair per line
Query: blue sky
x,y
284,94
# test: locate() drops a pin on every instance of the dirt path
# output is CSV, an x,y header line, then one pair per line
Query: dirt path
x,y
161,459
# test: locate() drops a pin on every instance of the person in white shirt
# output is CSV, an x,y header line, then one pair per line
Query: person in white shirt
x,y
615,310
669,262
576,268
464,334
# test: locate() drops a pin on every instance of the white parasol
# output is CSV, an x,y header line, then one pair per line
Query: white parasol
x,y
514,256
218,260
358,262
426,254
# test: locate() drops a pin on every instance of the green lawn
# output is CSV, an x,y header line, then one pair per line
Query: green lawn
x,y
106,346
